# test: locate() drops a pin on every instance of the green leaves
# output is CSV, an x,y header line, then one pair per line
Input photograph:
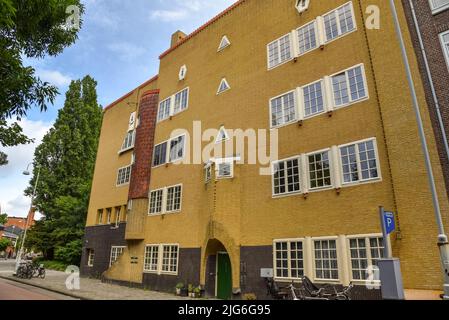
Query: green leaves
x,y
4,243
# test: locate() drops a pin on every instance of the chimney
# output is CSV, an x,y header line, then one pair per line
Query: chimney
x,y
177,37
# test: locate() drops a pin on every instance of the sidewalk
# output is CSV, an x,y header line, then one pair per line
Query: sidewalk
x,y
90,289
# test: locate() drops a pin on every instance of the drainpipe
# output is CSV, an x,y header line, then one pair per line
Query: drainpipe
x,y
429,76
443,242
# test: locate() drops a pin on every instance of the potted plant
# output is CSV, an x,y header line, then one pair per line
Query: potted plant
x,y
197,292
190,290
179,288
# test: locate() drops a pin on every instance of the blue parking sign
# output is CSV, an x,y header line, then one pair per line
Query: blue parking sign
x,y
389,221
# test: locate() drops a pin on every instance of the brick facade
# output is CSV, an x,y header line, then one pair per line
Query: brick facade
x,y
431,27
141,173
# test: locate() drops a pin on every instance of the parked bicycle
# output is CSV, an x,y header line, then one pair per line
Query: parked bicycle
x,y
28,270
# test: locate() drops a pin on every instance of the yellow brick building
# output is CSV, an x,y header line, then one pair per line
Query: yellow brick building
x,y
331,92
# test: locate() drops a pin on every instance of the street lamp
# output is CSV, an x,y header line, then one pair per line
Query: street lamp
x,y
443,242
27,173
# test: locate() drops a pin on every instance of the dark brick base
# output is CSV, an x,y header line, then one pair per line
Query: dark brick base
x,y
100,239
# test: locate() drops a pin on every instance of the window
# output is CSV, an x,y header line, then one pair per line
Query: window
x,y
339,22
286,177
289,259
224,43
313,99
164,110
444,37
100,217
302,5
320,170
90,257
117,216
359,162
174,199
160,154
116,252
177,146
283,110
108,216
222,135
364,252
124,176
151,263
439,5
279,51
307,38
156,201
224,168
174,104
208,173
181,101
129,140
170,259
326,262
224,86
182,73
349,86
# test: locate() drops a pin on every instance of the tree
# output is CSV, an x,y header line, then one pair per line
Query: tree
x,y
3,218
66,158
32,29
4,244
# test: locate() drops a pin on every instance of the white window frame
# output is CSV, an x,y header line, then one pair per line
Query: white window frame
x,y
317,37
168,151
292,54
164,210
180,198
219,162
119,183
351,102
159,270
208,173
295,103
224,43
359,169
339,267
445,46
301,177
118,213
218,140
302,5
172,105
116,255
131,145
302,103
228,87
436,10
167,147
289,260
90,257
331,168
340,35
152,246
109,216
367,238
100,217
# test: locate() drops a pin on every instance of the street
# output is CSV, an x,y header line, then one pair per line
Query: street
x,y
10,290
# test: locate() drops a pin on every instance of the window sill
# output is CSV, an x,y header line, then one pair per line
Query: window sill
x,y
285,195
164,213
125,150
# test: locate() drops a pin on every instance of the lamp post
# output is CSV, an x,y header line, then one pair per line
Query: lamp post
x,y
443,242
27,173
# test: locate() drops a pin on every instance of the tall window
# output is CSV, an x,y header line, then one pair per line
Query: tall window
x,y
438,5
108,216
359,162
286,177
177,147
313,99
116,252
207,173
90,257
283,110
156,201
445,43
339,22
100,216
160,154
279,51
326,262
364,252
170,259
181,100
129,140
151,261
307,39
124,176
320,170
289,259
117,216
164,110
349,86
174,198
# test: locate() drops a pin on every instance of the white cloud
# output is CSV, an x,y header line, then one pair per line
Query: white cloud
x,y
126,51
12,181
168,15
54,77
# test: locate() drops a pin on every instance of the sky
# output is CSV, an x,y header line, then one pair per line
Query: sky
x,y
119,45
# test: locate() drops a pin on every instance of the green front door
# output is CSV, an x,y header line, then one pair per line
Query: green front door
x,y
224,277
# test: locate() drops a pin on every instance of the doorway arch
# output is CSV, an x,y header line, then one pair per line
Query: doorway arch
x,y
218,270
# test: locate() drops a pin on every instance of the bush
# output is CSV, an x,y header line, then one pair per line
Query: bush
x,y
54,265
70,253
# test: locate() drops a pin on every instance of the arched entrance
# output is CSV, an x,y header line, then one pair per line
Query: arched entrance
x,y
218,270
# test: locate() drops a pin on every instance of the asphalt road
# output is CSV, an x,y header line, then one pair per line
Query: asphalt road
x,y
10,290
